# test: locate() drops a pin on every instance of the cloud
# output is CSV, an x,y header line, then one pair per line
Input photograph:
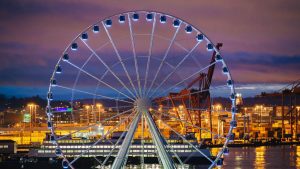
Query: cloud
x,y
263,86
30,8
248,90
264,58
249,67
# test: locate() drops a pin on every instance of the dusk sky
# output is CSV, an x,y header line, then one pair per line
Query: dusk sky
x,y
261,38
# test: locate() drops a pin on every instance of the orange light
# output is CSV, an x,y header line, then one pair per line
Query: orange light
x,y
30,104
219,106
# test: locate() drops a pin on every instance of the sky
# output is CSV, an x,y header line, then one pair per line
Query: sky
x,y
261,38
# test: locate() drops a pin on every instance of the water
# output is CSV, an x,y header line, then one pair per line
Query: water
x,y
272,157
275,157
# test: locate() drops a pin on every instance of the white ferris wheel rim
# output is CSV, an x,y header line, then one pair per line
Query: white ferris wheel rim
x,y
138,92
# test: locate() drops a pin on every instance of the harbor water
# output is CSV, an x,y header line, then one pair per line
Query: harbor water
x,y
264,157
272,157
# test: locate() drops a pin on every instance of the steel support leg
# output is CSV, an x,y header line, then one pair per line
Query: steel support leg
x,y
121,158
160,144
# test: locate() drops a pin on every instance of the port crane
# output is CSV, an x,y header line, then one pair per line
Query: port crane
x,y
288,95
197,98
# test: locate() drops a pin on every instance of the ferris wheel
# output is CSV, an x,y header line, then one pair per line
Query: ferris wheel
x,y
151,78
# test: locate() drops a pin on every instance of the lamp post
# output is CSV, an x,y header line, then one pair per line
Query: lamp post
x,y
32,111
99,106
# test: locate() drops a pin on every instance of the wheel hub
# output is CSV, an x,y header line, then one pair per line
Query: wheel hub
x,y
142,104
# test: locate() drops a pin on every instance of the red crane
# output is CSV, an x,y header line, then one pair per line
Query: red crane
x,y
197,98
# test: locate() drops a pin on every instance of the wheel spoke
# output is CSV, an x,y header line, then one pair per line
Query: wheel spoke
x,y
104,136
184,139
79,72
120,59
78,75
150,52
172,149
188,123
76,80
115,145
175,69
99,80
164,58
86,127
108,68
97,160
122,155
172,87
134,56
157,138
142,142
92,94
167,145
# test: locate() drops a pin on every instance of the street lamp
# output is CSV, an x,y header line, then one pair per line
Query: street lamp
x,y
32,111
99,106
218,107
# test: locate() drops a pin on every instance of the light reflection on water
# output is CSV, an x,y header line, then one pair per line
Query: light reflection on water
x,y
260,157
276,157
